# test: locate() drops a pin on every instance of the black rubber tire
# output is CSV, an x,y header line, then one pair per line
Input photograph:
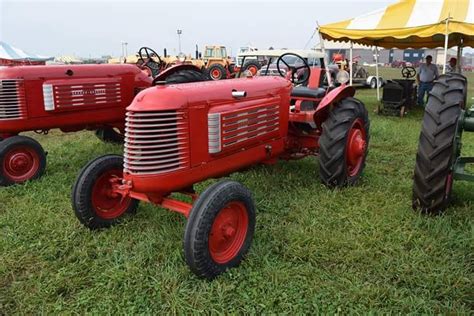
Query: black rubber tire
x,y
10,143
222,70
198,227
373,83
431,190
251,63
82,193
332,158
231,69
185,76
110,135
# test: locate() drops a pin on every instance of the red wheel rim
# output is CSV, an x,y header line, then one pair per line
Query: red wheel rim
x,y
108,204
253,70
355,147
228,232
215,74
21,164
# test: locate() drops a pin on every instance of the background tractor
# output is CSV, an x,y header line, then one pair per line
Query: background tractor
x,y
179,136
217,63
70,98
439,161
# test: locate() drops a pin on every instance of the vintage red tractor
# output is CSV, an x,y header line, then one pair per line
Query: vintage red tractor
x,y
70,98
177,136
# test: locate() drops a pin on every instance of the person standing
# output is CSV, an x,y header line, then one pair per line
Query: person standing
x,y
451,66
427,73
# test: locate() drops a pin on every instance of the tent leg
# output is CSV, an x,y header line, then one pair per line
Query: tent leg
x,y
350,65
377,71
326,65
446,37
459,57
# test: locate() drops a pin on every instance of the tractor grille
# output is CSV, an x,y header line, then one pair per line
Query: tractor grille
x,y
156,142
245,126
392,93
12,99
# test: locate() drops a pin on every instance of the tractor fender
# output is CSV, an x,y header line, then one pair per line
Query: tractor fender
x,y
334,96
164,74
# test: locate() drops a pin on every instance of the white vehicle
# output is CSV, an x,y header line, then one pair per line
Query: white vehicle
x,y
244,49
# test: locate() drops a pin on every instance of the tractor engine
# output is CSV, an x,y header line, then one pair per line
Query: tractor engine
x,y
233,124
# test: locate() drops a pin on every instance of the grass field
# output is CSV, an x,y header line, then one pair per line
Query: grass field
x,y
315,250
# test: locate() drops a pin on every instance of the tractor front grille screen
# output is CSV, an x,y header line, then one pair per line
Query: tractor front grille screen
x,y
156,142
12,99
392,93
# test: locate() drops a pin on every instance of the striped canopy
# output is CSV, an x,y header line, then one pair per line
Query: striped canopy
x,y
409,23
9,52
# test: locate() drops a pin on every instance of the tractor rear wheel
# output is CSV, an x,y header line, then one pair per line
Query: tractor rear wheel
x,y
344,143
185,76
437,148
217,72
220,229
110,135
94,201
252,66
21,159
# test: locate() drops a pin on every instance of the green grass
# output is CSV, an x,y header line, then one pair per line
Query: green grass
x,y
358,249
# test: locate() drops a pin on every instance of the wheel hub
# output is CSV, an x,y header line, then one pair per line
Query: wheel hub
x,y
107,202
356,147
21,164
228,232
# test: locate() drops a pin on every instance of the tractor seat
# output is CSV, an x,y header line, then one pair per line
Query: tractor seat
x,y
305,92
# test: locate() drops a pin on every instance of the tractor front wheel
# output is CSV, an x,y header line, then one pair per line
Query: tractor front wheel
x,y
217,72
437,147
252,66
344,143
220,229
21,159
94,200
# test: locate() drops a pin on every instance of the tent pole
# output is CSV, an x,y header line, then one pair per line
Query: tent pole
x,y
323,50
377,71
350,64
446,37
459,57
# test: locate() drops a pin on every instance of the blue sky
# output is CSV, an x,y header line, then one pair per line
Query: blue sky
x,y
94,28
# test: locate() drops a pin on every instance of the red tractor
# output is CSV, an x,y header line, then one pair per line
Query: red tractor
x,y
177,136
71,98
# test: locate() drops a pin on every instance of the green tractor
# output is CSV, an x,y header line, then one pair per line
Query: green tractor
x,y
439,161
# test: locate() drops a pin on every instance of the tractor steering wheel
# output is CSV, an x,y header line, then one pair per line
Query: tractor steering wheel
x,y
408,72
146,55
294,70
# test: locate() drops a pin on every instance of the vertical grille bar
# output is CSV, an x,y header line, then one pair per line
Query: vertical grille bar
x,y
12,99
156,142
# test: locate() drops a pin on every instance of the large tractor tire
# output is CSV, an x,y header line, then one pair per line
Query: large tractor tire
x,y
437,148
21,159
185,76
344,144
252,66
93,200
217,72
220,229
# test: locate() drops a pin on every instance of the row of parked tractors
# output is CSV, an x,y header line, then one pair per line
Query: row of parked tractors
x,y
179,129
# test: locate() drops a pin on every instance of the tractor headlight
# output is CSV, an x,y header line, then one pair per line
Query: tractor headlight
x,y
342,76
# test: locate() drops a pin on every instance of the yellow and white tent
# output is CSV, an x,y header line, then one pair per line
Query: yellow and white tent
x,y
409,23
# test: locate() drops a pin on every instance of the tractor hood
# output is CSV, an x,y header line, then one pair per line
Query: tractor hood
x,y
208,93
67,71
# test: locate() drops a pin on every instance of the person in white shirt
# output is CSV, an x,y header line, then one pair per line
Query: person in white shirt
x,y
451,66
427,73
